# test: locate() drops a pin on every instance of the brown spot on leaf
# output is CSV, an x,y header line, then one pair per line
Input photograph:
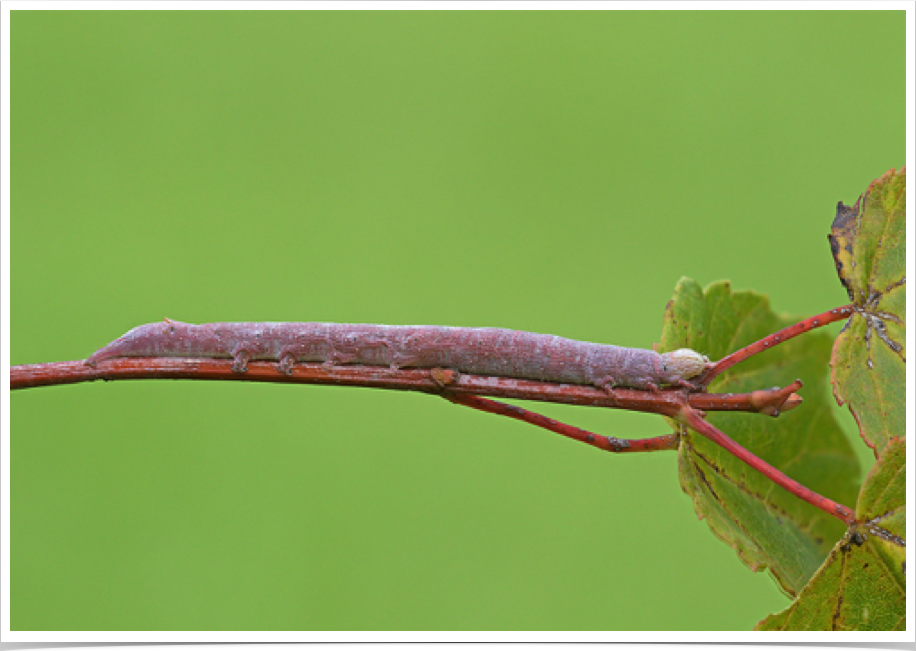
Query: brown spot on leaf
x,y
842,237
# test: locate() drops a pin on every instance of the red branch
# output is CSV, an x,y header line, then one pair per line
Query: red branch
x,y
667,402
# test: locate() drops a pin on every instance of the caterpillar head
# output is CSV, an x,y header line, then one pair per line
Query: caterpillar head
x,y
682,364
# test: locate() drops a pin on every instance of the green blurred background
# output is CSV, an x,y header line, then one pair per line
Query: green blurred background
x,y
548,171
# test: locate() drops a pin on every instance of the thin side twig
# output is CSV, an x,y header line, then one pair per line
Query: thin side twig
x,y
608,443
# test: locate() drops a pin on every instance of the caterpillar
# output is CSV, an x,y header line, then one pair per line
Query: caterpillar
x,y
479,351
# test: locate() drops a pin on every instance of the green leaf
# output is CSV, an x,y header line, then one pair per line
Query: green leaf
x,y
869,358
882,504
862,586
767,526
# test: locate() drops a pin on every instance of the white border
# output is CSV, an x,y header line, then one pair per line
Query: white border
x,y
452,5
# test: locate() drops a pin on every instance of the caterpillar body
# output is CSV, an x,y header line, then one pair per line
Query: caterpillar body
x,y
479,351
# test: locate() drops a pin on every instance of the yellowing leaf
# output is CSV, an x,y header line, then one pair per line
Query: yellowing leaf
x,y
869,358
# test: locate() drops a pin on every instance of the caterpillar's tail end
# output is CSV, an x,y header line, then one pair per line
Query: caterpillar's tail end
x,y
98,356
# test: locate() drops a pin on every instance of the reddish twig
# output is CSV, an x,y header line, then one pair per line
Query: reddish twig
x,y
667,402
695,421
770,402
608,443
775,339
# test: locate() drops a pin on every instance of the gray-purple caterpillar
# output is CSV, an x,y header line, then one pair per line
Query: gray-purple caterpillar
x,y
479,351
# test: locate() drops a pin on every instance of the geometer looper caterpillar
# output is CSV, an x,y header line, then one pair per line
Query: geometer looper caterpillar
x,y
479,351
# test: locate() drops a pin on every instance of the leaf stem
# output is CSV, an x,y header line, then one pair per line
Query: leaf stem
x,y
695,421
816,321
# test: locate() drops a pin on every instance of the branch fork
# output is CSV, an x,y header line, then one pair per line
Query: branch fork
x,y
685,405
